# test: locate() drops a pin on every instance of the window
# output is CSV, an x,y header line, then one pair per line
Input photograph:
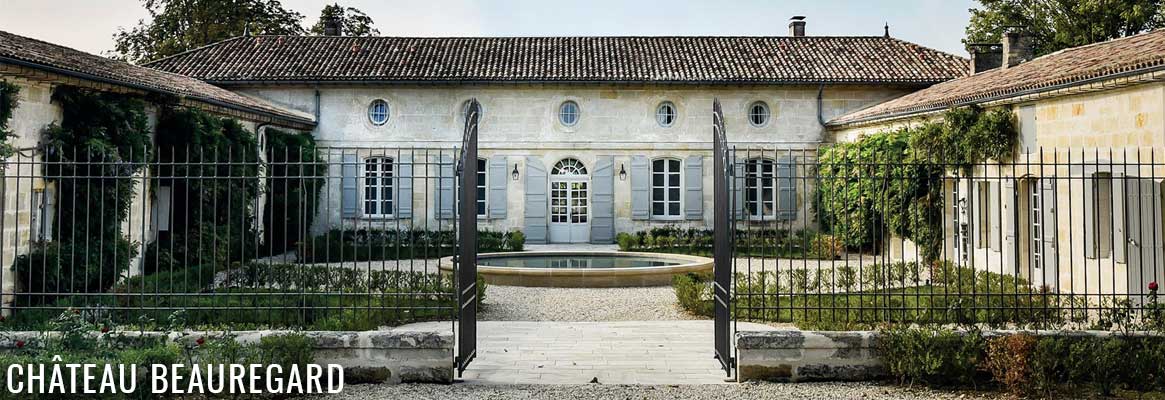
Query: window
x,y
378,195
665,114
481,192
1102,218
378,112
569,166
983,220
760,200
758,114
43,214
568,113
665,188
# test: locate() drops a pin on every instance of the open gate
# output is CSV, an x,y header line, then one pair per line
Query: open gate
x,y
722,228
465,261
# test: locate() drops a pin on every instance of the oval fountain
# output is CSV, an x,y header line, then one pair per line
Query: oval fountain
x,y
583,268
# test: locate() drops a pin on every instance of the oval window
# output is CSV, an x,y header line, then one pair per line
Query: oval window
x,y
665,114
378,112
568,113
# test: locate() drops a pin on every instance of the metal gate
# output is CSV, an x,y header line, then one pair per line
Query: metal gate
x,y
723,226
465,262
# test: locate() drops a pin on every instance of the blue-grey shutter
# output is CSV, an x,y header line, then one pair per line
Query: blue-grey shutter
x,y
349,196
404,187
993,215
603,200
497,187
1010,246
1119,202
536,206
786,189
1048,198
1027,128
694,187
738,184
1091,242
640,188
446,187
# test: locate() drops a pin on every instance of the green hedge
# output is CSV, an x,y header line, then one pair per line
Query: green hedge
x,y
69,267
339,245
295,176
781,243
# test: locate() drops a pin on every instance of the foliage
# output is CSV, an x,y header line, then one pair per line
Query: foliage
x,y
71,267
386,244
932,355
767,243
890,183
694,292
175,26
9,97
1060,24
1009,361
353,22
294,179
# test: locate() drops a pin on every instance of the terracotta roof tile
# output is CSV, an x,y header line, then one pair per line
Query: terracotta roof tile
x,y
812,59
59,59
1064,68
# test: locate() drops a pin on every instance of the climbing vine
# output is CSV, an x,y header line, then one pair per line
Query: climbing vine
x,y
295,177
9,95
890,183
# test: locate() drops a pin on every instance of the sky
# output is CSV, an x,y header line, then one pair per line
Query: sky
x,y
89,25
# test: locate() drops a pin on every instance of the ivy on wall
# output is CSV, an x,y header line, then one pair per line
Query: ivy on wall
x,y
295,177
9,96
891,183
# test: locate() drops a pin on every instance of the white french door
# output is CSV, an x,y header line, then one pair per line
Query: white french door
x,y
569,211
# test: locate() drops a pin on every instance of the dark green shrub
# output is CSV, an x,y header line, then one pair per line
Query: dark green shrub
x,y
9,97
70,267
375,244
295,176
694,293
934,356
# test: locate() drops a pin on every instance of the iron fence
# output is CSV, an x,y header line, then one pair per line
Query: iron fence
x,y
1052,239
320,238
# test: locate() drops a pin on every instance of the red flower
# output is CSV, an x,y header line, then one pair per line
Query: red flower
x,y
2,318
105,329
200,341
20,344
1153,286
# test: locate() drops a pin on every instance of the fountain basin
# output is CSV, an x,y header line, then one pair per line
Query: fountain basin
x,y
583,268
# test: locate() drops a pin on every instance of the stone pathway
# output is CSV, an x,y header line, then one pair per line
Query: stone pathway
x,y
619,352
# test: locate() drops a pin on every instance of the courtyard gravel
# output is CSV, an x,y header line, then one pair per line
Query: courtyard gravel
x,y
832,391
511,303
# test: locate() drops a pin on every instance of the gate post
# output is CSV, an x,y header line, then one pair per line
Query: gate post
x,y
466,258
722,240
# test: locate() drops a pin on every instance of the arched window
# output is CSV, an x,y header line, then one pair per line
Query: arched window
x,y
665,114
568,113
758,114
665,188
569,166
378,112
378,186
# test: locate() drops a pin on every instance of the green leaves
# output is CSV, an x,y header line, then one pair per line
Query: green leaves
x,y
1060,24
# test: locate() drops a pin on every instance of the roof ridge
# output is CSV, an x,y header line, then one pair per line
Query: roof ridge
x,y
196,49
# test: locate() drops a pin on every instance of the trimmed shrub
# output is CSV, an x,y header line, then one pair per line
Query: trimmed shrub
x,y
694,293
933,356
340,245
1009,360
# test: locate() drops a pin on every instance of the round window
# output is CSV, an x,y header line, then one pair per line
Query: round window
x,y
378,112
665,114
568,113
758,114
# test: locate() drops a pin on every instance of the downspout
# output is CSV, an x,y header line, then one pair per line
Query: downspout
x,y
820,117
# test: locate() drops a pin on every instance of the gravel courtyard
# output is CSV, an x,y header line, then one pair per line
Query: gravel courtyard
x,y
511,303
831,391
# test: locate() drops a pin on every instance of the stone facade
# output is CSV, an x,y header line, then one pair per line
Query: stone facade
x,y
520,123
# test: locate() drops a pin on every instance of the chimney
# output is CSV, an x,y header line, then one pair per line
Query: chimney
x,y
1017,46
985,56
332,26
797,26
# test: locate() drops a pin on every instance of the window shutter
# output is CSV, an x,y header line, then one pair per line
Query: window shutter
x,y
404,187
786,189
349,196
1027,128
738,184
1090,240
536,208
993,215
1119,203
1010,246
603,200
694,187
497,187
1051,259
446,187
974,228
640,188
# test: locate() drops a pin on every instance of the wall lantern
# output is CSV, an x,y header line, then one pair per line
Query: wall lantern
x,y
514,174
622,173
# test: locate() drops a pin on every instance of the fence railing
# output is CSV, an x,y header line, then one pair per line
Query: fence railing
x,y
1050,239
326,238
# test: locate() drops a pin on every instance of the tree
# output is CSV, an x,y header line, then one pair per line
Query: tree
x,y
180,25
353,22
1060,24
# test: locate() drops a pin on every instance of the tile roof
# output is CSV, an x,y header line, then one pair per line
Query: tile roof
x,y
36,54
1069,67
812,59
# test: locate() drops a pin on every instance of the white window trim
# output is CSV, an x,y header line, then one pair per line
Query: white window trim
x,y
759,190
651,192
364,188
577,113
387,112
675,114
483,182
768,113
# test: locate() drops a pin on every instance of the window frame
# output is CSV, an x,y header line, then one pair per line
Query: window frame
x,y
372,112
482,188
667,201
1103,215
660,113
391,176
577,113
768,114
752,183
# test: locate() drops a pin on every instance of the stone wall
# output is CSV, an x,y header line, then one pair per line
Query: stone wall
x,y
799,356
